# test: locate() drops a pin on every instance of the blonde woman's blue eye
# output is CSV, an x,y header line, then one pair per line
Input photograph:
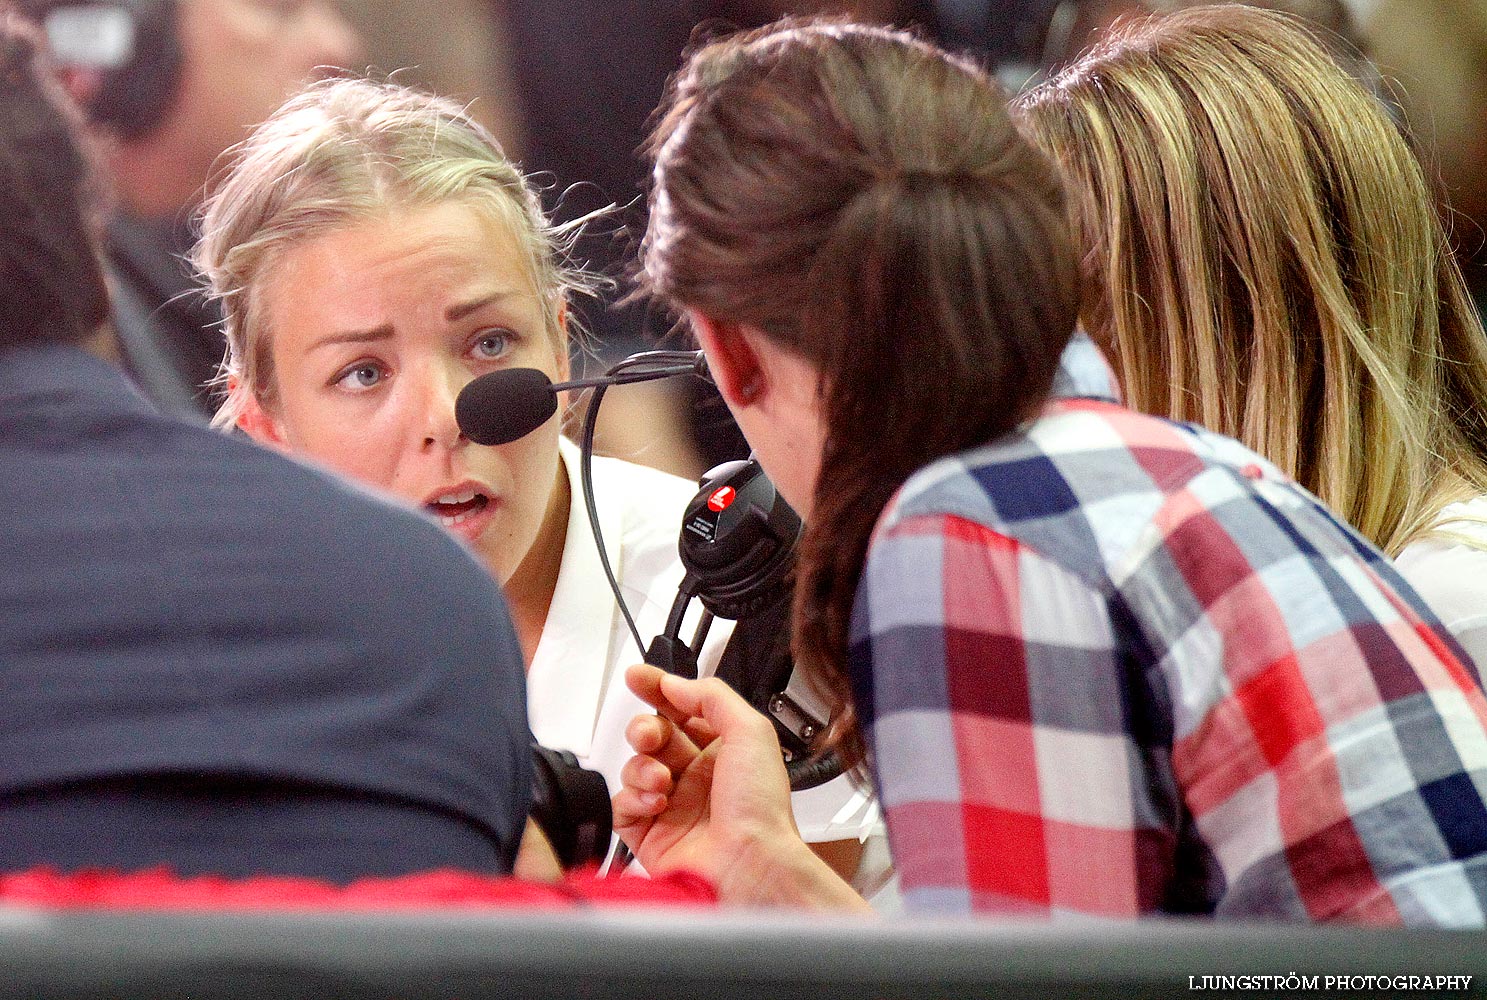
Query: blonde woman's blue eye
x,y
360,377
489,346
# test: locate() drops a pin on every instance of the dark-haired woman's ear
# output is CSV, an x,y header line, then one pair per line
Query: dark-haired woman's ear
x,y
732,358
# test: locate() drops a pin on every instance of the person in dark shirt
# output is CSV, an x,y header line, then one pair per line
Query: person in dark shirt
x,y
212,658
189,83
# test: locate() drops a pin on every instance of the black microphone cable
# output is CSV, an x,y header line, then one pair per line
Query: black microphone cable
x,y
536,399
643,367
638,367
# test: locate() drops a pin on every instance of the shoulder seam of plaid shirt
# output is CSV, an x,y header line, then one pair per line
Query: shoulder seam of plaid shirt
x,y
1113,665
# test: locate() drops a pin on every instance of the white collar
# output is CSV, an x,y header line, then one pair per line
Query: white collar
x,y
569,674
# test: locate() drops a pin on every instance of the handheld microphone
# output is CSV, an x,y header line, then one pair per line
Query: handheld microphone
x,y
505,405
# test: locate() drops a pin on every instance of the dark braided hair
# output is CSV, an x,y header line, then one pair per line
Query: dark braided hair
x,y
51,279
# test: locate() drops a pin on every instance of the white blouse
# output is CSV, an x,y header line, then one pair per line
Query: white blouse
x,y
1452,576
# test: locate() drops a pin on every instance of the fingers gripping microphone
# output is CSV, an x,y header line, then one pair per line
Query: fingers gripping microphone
x,y
504,406
737,541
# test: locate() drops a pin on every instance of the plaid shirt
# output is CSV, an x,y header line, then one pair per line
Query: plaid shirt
x,y
1118,666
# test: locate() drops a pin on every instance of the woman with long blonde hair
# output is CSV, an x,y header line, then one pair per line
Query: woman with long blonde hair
x,y
1261,255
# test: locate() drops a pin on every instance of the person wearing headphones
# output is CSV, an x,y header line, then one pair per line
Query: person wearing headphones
x,y
1094,661
213,659
167,86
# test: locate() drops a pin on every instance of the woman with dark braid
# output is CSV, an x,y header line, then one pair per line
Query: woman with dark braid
x,y
1095,662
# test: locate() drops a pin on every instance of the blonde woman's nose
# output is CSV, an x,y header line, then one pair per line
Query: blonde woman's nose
x,y
440,390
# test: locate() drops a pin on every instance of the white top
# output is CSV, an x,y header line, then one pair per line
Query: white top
x,y
576,694
1452,576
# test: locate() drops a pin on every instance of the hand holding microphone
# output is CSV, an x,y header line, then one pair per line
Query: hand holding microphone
x,y
706,788
737,545
707,792
570,803
737,540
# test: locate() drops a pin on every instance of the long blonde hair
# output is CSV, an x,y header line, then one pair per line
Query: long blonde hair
x,y
340,152
1262,256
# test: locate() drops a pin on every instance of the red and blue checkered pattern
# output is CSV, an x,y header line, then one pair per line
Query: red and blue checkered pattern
x,y
1118,666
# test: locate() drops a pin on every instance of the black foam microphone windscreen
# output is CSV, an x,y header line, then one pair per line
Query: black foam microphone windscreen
x,y
505,405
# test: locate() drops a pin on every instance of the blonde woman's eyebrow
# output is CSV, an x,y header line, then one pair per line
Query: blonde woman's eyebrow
x,y
460,310
376,333
383,332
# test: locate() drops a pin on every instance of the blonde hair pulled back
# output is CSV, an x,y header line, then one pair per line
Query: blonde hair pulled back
x,y
341,152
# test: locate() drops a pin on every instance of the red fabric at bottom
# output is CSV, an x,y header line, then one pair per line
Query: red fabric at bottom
x,y
159,889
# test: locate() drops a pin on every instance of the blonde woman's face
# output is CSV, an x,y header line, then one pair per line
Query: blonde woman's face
x,y
373,331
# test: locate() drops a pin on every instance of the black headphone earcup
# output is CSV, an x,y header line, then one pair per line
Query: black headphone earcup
x,y
738,540
132,99
745,595
135,99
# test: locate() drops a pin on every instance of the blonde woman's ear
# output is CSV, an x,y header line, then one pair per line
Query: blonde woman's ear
x,y
255,421
563,351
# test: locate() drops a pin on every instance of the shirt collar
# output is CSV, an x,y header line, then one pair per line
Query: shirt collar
x,y
37,374
1083,373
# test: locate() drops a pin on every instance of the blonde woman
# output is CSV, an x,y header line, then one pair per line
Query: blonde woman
x,y
1261,256
374,251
